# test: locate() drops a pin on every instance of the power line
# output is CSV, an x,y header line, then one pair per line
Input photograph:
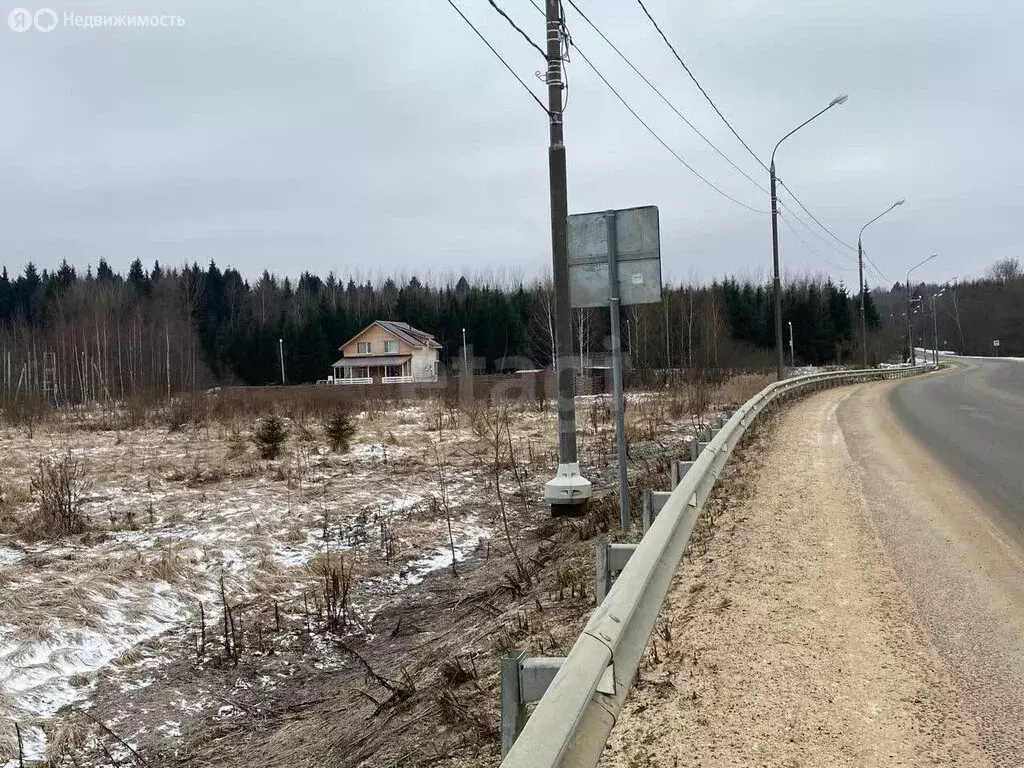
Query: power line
x,y
878,272
685,120
517,28
650,130
807,245
495,52
814,218
729,125
665,98
697,83
642,122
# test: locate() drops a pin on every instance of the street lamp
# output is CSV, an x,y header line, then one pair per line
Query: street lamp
x,y
777,285
935,321
910,311
860,263
935,329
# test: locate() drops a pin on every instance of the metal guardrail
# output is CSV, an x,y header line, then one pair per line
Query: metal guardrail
x,y
575,715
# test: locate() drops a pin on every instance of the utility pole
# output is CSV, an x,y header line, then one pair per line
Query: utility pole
x,y
909,322
568,487
910,310
280,348
863,321
780,367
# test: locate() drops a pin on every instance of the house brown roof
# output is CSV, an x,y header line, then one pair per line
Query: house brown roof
x,y
403,331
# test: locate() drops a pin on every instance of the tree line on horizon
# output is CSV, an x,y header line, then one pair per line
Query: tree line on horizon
x,y
151,333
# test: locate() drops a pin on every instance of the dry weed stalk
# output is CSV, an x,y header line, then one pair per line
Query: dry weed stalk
x,y
62,484
497,428
441,467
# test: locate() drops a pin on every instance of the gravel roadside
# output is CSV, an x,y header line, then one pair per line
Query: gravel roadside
x,y
789,639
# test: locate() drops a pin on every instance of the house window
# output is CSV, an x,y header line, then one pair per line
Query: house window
x,y
393,370
363,347
390,347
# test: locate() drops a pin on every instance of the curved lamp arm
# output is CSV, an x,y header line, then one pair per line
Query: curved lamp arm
x,y
834,103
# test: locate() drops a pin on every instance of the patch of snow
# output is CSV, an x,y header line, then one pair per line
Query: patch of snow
x,y
38,677
467,539
10,556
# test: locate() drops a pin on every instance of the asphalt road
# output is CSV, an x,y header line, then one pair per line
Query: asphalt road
x,y
940,461
971,420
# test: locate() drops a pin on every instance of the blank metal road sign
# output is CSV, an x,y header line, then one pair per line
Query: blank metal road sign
x,y
638,253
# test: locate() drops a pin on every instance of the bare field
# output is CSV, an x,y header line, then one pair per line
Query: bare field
x,y
213,592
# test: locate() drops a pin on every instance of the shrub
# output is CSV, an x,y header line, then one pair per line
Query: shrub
x,y
188,409
270,436
340,430
236,445
62,485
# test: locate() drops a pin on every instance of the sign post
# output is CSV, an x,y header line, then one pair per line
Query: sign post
x,y
995,345
615,260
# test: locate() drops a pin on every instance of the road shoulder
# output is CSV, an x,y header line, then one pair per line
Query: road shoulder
x,y
787,639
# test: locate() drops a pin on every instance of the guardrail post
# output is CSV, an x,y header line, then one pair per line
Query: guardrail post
x,y
604,576
513,708
524,680
609,561
654,501
680,468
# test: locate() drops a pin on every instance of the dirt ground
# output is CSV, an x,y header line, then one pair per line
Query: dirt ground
x,y
792,639
305,609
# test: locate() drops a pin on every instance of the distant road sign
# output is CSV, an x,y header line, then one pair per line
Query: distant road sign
x,y
995,342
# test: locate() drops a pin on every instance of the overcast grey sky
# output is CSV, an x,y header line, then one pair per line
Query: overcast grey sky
x,y
382,136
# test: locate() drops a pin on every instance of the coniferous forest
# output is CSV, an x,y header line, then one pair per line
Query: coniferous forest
x,y
103,335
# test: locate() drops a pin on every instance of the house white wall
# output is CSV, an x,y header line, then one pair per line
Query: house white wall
x,y
424,361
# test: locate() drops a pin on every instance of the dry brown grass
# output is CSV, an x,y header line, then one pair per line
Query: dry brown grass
x,y
739,389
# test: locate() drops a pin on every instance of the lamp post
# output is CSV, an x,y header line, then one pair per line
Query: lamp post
x,y
860,265
777,285
935,328
935,321
910,310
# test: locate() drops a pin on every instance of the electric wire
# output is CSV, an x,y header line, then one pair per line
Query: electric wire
x,y
807,245
661,141
697,83
878,272
671,106
664,98
517,28
730,127
650,130
500,58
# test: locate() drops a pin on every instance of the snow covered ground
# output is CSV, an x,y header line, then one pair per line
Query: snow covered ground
x,y
172,514
177,517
